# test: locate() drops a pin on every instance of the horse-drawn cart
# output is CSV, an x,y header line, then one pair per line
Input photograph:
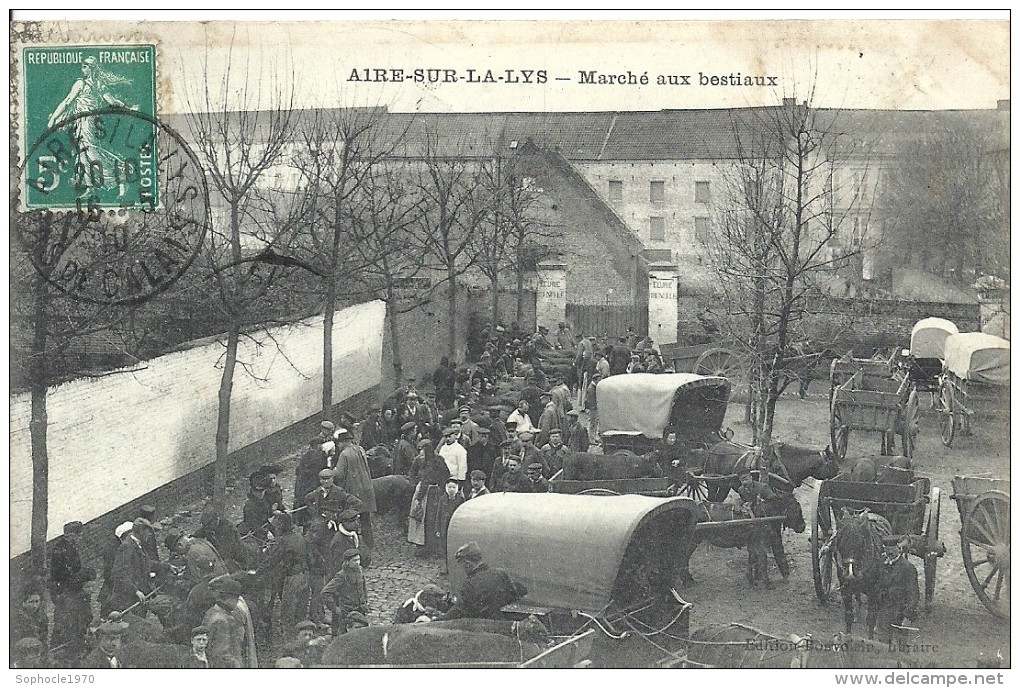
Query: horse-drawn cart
x,y
873,403
975,380
588,562
923,362
984,538
912,510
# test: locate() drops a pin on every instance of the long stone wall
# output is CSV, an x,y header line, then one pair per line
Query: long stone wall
x,y
115,438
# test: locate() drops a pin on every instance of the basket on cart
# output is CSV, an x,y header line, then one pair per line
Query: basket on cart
x,y
984,538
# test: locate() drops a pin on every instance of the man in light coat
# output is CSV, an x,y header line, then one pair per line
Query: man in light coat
x,y
231,632
455,455
353,475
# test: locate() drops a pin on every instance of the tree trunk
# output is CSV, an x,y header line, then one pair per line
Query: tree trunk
x,y
219,494
37,431
494,282
398,360
520,286
452,294
327,351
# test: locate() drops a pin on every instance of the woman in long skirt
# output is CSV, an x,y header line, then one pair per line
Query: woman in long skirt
x,y
431,472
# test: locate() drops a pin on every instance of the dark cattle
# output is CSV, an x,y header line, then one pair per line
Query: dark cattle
x,y
585,466
393,494
380,461
742,534
434,643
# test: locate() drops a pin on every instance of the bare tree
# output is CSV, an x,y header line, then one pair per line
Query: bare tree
x,y
455,207
793,219
239,147
946,191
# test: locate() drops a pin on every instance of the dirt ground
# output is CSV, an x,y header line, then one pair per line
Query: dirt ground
x,y
957,631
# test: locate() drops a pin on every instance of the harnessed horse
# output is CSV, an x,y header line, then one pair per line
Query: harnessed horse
x,y
857,543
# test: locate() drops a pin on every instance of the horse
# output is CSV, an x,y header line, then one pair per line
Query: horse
x,y
802,366
858,557
789,464
755,538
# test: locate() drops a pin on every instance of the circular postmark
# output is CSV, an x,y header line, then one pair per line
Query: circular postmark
x,y
129,212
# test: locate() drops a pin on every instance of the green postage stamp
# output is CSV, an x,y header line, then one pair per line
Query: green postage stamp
x,y
89,122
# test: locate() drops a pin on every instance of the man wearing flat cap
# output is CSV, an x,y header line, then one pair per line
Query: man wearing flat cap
x,y
481,454
405,451
308,646
133,571
107,655
198,657
231,632
514,478
502,464
538,481
454,454
553,453
346,592
200,557
486,590
895,604
288,562
352,473
72,610
468,428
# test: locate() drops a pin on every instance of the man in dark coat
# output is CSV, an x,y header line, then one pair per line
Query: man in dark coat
x,y
148,512
308,646
619,357
486,590
288,561
132,569
514,480
353,475
553,453
306,474
444,379
257,508
405,451
197,658
107,654
480,454
28,620
576,434
346,592
223,536
538,482
898,594
72,611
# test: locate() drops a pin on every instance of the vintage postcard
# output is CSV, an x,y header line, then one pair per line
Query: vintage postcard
x,y
511,343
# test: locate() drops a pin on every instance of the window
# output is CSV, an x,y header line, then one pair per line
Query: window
x,y
702,193
701,229
615,190
657,229
657,192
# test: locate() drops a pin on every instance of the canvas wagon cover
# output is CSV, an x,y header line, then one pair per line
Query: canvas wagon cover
x,y
978,356
928,338
565,549
642,402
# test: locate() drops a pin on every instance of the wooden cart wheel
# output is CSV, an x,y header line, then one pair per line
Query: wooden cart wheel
x,y
821,563
947,423
720,363
911,424
984,542
931,534
839,433
693,487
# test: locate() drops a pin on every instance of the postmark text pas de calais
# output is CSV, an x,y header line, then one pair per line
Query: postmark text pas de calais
x,y
79,153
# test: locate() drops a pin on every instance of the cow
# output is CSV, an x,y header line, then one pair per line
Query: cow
x,y
380,461
393,495
622,465
438,642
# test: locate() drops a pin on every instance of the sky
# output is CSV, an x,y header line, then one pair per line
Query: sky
x,y
847,63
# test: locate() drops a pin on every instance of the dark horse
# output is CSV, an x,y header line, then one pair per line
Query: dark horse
x,y
739,533
717,466
858,558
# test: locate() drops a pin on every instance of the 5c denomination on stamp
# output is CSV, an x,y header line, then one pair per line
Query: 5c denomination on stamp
x,y
93,162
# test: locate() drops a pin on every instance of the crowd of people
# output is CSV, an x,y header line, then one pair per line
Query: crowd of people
x,y
472,433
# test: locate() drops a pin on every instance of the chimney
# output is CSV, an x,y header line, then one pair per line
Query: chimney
x,y
1002,105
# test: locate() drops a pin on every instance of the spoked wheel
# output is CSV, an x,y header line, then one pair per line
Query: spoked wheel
x,y
947,423
821,562
719,362
932,545
693,487
911,424
984,542
839,433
